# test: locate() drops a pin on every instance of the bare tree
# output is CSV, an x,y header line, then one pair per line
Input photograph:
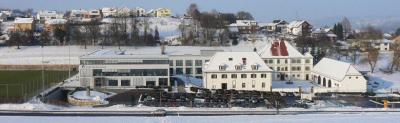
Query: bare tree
x,y
193,11
44,38
16,39
396,56
79,37
60,34
372,58
115,32
243,15
92,29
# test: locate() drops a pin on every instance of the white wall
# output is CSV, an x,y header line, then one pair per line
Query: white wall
x,y
211,83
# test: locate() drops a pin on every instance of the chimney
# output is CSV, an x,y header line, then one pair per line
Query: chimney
x,y
244,61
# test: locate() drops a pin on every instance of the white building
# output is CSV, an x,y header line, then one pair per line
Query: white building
x,y
237,70
77,15
286,61
382,45
245,26
101,70
299,28
47,15
337,76
140,12
109,12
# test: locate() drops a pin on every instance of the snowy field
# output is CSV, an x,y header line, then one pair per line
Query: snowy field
x,y
386,82
303,118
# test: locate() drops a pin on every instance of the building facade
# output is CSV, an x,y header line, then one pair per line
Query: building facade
x,y
238,71
287,62
337,76
24,24
124,72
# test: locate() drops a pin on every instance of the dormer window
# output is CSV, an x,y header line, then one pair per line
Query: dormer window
x,y
254,67
230,59
222,67
238,67
244,60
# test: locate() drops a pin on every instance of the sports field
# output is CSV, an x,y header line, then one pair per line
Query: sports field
x,y
20,84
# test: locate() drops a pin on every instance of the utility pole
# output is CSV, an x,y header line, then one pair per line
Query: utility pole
x,y
42,69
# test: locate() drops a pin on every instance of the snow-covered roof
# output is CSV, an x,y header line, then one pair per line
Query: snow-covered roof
x,y
23,20
56,21
334,69
244,23
231,59
281,49
296,23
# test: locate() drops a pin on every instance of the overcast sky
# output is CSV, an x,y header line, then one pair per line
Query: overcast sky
x,y
263,10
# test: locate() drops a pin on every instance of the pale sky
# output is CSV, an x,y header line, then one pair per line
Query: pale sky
x,y
263,10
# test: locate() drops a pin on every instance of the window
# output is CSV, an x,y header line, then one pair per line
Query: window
x,y
293,68
171,71
298,68
230,59
171,63
224,76
238,67
356,77
243,75
233,84
263,75
125,83
271,61
278,61
298,60
179,63
243,85
286,61
307,60
253,75
188,71
286,68
198,63
163,81
112,82
214,76
263,85
349,77
307,68
199,71
188,62
278,68
222,67
179,71
233,76
254,67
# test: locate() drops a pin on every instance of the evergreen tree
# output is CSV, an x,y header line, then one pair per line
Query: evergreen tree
x,y
156,35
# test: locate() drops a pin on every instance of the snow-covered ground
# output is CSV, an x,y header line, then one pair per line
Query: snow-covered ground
x,y
385,82
304,118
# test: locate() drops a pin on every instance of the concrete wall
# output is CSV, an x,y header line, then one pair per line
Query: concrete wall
x,y
236,83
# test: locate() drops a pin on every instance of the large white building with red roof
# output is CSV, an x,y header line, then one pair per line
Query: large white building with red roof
x,y
286,61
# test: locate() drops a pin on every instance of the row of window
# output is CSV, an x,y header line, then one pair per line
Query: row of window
x,y
129,61
286,61
179,71
187,62
130,72
234,76
294,68
125,83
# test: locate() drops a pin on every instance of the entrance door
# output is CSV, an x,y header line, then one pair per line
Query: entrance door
x,y
282,77
307,77
224,86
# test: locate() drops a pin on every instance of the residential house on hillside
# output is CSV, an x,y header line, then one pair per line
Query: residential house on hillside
x,y
245,26
92,15
3,17
77,15
108,12
238,71
337,76
277,26
299,28
324,33
43,15
160,12
52,24
24,24
286,61
139,12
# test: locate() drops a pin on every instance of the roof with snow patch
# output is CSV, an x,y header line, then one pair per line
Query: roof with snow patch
x,y
231,59
283,49
334,69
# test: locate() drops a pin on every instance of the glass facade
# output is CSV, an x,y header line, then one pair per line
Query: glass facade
x,y
131,72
